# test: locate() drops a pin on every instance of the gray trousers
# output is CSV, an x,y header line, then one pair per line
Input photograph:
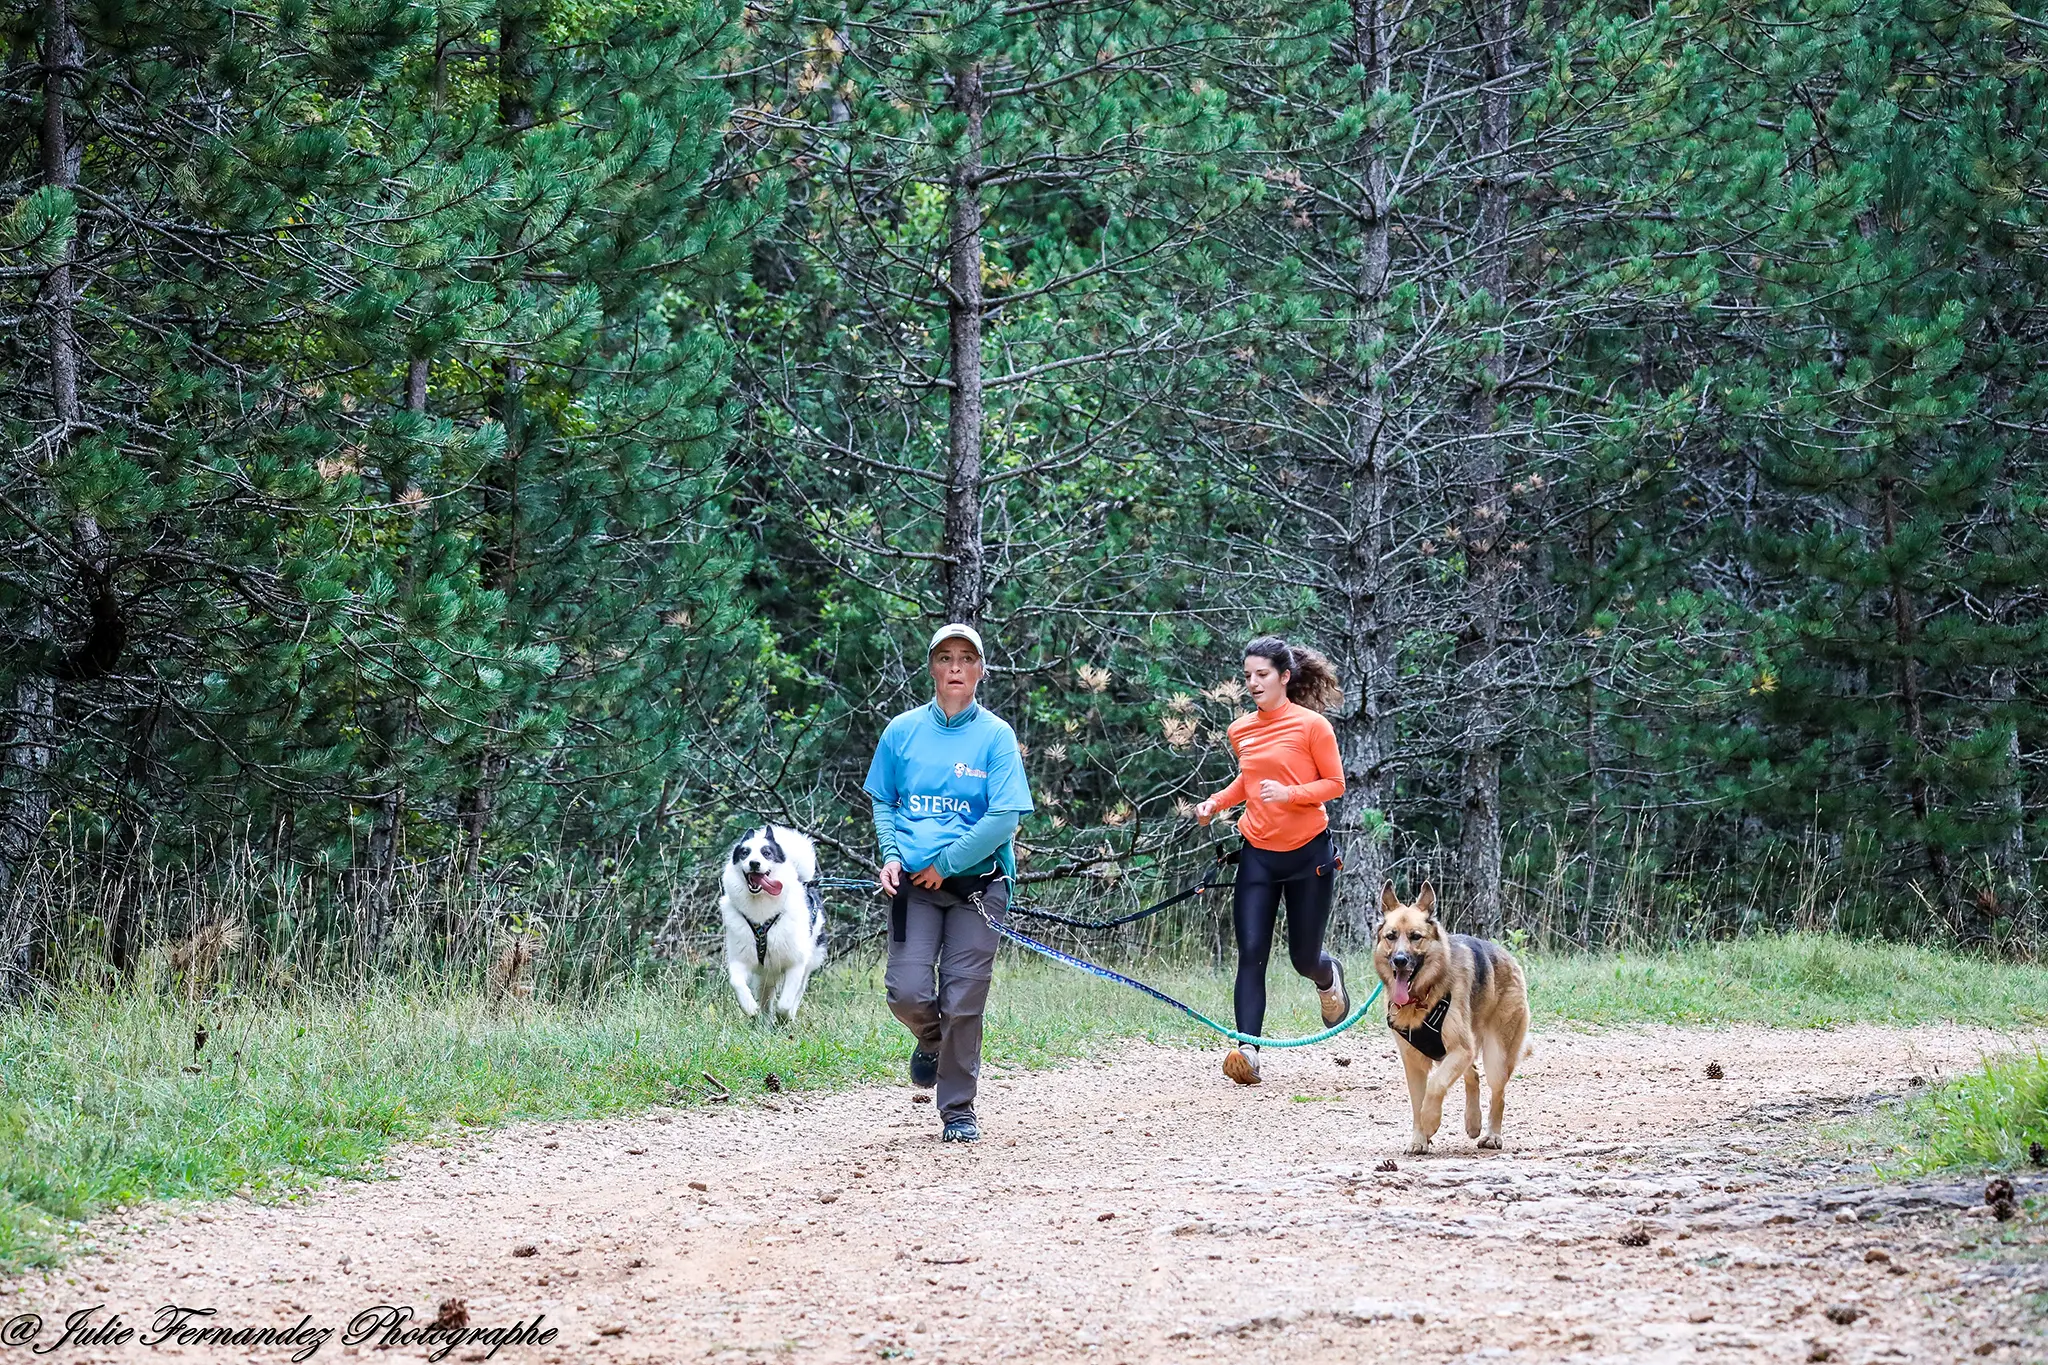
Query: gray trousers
x,y
946,936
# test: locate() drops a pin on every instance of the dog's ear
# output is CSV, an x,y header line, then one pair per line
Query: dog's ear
x,y
1388,900
1426,902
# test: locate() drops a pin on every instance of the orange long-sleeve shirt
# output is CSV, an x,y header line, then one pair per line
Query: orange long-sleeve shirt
x,y
1295,747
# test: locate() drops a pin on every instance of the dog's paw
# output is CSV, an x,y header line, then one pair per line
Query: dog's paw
x,y
1472,1129
1489,1143
1418,1145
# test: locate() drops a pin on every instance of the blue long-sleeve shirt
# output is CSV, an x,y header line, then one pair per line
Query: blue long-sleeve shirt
x,y
974,852
948,793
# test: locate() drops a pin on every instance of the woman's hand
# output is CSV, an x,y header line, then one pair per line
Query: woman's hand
x,y
1205,812
891,877
1275,793
930,879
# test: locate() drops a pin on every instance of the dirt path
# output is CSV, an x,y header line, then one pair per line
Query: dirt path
x,y
1146,1209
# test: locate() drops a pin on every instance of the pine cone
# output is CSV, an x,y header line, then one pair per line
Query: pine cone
x,y
1999,1196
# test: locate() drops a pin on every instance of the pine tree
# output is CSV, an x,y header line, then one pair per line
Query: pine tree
x,y
254,415
1436,212
570,213
965,346
986,193
1895,427
155,436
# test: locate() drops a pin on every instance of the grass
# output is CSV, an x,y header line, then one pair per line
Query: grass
x,y
104,1102
1987,1120
1790,981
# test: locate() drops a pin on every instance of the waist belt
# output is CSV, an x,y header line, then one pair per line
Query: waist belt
x,y
965,888
1324,869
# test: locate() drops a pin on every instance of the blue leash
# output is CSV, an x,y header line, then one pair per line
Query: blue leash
x,y
1046,950
1095,969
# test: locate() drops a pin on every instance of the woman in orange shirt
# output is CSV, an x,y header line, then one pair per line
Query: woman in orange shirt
x,y
1287,768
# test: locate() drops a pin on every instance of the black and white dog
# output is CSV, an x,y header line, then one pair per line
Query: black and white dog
x,y
774,919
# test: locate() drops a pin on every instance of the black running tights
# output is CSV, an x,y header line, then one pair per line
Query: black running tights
x,y
1306,878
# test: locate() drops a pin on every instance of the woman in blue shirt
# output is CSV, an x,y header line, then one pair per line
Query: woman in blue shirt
x,y
948,789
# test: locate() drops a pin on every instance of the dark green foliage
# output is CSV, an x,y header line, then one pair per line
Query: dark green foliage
x,y
354,585
1845,564
515,444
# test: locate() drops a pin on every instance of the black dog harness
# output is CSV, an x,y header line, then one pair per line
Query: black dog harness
x,y
813,898
761,936
1427,1037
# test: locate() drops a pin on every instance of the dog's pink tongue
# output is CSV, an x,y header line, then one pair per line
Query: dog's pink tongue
x,y
1400,992
771,886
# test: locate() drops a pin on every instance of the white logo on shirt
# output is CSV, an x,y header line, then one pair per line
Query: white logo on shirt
x,y
962,770
939,805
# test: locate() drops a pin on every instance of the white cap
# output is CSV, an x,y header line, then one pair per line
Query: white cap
x,y
956,631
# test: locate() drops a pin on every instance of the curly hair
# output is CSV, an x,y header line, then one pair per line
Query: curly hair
x,y
1311,678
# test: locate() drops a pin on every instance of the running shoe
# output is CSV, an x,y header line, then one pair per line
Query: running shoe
x,y
924,1068
963,1129
1241,1064
1336,1001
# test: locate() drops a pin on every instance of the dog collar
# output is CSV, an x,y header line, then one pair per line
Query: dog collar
x,y
1427,1037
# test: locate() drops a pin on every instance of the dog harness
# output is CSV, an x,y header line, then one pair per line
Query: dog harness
x,y
761,936
1427,1037
814,899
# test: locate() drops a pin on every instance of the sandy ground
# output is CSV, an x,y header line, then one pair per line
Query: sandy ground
x,y
1144,1209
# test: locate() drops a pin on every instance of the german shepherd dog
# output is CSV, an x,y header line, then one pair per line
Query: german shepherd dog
x,y
1452,1000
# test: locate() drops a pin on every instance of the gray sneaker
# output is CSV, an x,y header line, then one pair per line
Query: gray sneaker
x,y
1336,1001
924,1068
961,1130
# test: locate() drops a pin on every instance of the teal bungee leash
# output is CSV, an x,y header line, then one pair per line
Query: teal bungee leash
x,y
1046,950
1005,932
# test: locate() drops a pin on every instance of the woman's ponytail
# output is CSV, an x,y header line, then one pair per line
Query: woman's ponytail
x,y
1311,678
1314,683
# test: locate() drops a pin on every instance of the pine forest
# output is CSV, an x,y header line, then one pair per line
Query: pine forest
x,y
465,461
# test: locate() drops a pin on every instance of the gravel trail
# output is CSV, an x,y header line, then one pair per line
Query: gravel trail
x,y
1143,1208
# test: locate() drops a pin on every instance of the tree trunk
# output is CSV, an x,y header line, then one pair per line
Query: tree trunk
x,y
382,856
1483,533
382,871
1905,628
1363,733
2013,885
517,31
24,926
132,843
31,743
416,390
1596,787
964,569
